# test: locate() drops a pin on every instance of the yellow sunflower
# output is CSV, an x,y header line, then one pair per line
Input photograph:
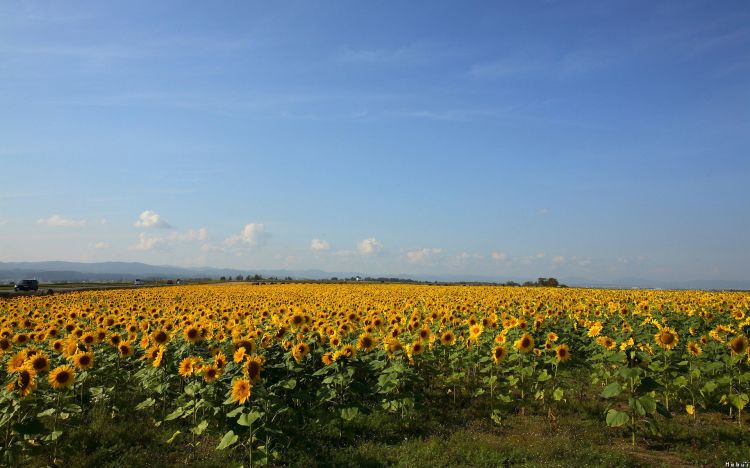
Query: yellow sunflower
x,y
24,382
211,373
62,377
366,342
448,338
563,353
241,391
499,354
739,344
525,343
84,361
694,348
666,338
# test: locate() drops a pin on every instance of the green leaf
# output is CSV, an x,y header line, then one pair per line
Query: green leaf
x,y
543,376
322,371
680,381
289,384
611,390
709,387
174,436
629,372
349,413
235,412
47,412
648,403
191,389
739,400
148,403
248,418
558,394
616,418
228,439
198,430
175,414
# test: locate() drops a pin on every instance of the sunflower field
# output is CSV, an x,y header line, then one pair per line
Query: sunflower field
x,y
250,369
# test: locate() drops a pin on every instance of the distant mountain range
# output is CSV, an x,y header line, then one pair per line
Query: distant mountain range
x,y
127,271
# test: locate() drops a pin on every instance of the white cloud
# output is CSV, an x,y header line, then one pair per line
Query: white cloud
x,y
421,255
499,256
59,221
101,245
369,246
103,221
191,235
253,234
319,245
150,219
148,243
558,260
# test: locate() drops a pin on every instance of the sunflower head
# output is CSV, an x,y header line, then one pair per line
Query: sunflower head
x,y
40,363
84,360
666,338
211,373
525,344
62,377
739,344
448,338
694,349
241,391
188,366
24,382
562,352
499,354
366,342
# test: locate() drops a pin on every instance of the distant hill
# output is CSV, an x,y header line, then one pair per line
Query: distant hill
x,y
56,271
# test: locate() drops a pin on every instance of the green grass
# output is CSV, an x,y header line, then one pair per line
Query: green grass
x,y
441,435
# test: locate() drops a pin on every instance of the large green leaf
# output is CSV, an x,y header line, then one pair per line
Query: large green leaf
x,y
648,403
611,390
248,418
229,439
349,413
149,402
616,418
198,430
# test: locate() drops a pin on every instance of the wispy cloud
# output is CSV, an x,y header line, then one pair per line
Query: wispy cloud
x,y
59,221
148,242
422,255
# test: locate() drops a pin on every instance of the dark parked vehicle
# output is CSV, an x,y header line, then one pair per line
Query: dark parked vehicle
x,y
27,285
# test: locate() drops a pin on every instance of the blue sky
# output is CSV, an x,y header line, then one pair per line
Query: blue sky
x,y
514,139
